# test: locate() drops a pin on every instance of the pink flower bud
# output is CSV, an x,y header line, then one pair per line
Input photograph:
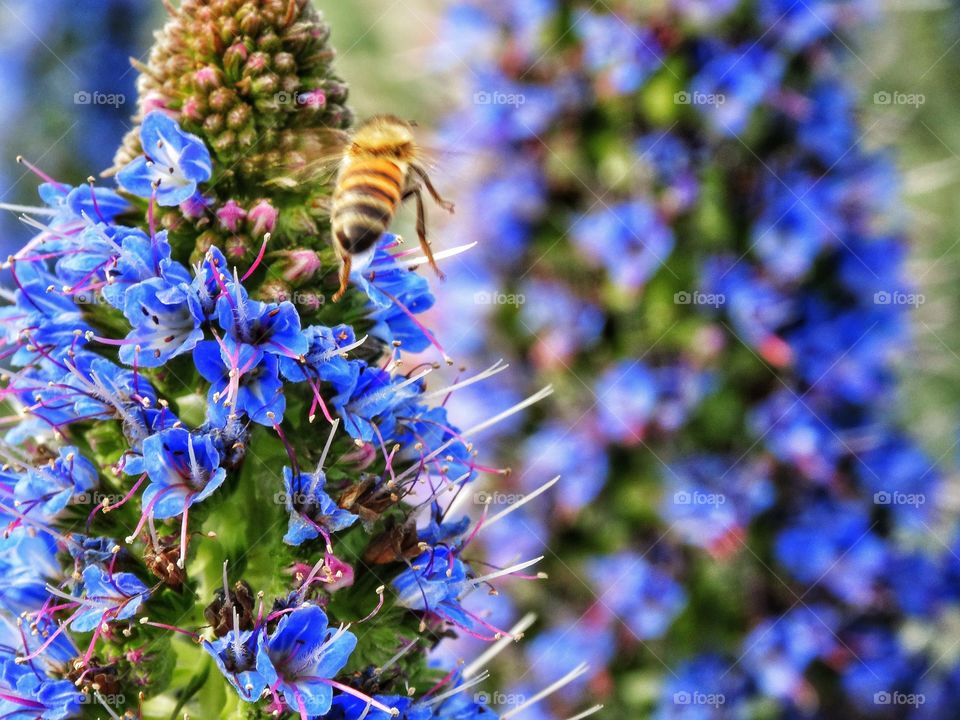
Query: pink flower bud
x,y
298,266
231,215
264,218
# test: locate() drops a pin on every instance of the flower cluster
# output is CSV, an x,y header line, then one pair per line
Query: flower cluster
x,y
683,230
222,495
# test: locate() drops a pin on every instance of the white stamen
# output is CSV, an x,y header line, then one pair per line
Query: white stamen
x,y
520,503
506,571
494,369
587,713
549,690
524,624
482,677
442,255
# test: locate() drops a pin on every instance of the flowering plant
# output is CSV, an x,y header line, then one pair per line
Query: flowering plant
x,y
224,496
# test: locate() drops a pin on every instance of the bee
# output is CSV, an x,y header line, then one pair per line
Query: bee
x,y
380,168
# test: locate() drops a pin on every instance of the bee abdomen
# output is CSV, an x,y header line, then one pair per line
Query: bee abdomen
x,y
367,197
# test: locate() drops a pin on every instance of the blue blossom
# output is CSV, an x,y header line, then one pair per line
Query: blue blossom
x,y
303,654
166,323
433,584
629,240
834,545
45,490
323,359
642,595
108,596
710,500
28,561
183,467
26,694
620,55
311,509
239,656
255,389
270,327
173,165
704,687
778,651
733,82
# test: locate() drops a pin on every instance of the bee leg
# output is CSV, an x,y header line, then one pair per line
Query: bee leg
x,y
422,233
446,205
346,262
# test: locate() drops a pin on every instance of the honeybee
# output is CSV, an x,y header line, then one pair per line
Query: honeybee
x,y
380,168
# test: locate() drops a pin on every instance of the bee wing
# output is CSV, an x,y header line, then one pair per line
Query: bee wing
x,y
315,160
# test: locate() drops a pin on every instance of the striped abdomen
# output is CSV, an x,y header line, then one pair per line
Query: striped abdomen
x,y
367,196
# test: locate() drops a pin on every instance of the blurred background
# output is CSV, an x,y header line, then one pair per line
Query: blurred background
x,y
727,234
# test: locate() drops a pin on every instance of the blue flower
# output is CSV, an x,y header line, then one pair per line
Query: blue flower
x,y
26,694
28,562
48,489
311,509
166,322
642,595
269,327
371,402
348,707
629,240
323,360
303,653
108,596
433,584
255,388
183,468
239,657
173,165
